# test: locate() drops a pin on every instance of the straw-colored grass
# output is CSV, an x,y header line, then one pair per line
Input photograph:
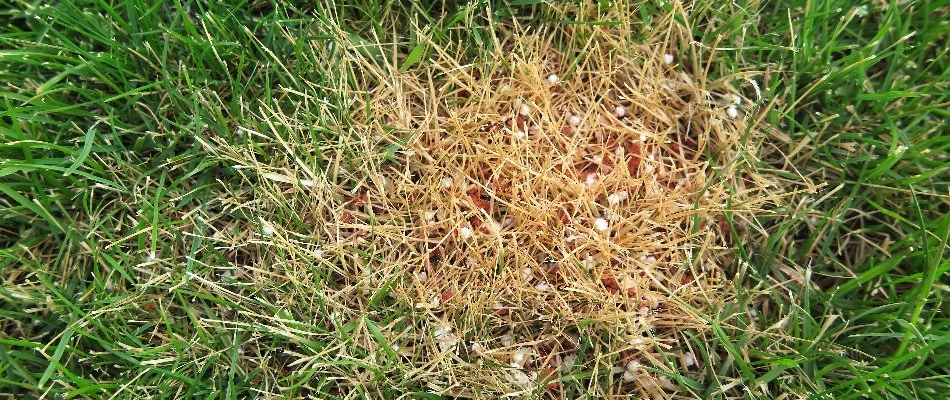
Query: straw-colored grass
x,y
516,214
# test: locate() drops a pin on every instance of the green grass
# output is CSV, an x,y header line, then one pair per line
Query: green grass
x,y
109,198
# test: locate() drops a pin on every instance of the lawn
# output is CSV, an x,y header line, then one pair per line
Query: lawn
x,y
481,199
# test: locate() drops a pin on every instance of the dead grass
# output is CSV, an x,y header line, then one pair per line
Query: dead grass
x,y
537,235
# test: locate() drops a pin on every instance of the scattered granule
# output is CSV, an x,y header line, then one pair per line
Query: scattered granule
x,y
522,379
631,370
524,110
616,198
266,228
620,111
689,359
732,112
574,120
445,338
521,356
601,224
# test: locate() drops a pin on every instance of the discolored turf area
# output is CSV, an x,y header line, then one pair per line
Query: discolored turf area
x,y
517,202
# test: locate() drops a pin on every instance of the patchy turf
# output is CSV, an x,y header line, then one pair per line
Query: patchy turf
x,y
514,203
211,200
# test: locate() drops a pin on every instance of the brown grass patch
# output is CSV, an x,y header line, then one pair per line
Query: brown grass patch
x,y
529,230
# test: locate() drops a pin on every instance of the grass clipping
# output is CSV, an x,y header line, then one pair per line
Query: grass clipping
x,y
551,219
